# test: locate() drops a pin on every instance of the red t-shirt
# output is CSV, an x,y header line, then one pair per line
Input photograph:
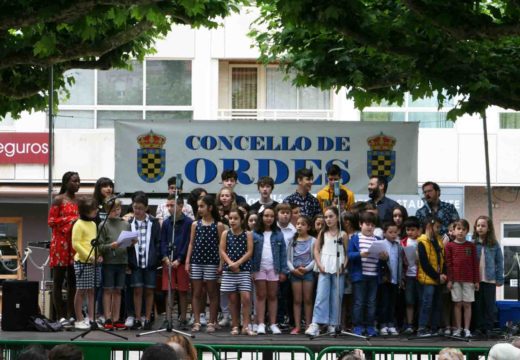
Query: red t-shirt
x,y
461,261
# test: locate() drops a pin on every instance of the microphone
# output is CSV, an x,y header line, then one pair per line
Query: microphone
x,y
178,182
112,198
336,188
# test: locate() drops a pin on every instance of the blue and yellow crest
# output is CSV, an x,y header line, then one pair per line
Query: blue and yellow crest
x,y
151,157
381,157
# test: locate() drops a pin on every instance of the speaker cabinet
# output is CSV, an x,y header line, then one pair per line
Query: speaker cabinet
x,y
20,301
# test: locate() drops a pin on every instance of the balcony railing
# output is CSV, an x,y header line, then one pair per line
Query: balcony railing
x,y
274,114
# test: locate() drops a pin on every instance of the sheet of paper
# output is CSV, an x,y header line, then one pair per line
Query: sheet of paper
x,y
376,248
411,254
126,237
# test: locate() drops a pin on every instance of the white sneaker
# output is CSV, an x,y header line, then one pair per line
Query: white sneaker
x,y
255,328
260,330
101,320
393,331
275,329
82,325
447,331
313,330
203,320
467,333
191,321
225,321
383,331
331,329
457,332
129,321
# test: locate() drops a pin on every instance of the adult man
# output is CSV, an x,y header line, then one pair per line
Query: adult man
x,y
307,203
377,188
446,212
326,195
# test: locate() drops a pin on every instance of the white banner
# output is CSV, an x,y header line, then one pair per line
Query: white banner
x,y
149,152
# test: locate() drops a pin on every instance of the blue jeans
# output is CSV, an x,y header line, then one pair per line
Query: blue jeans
x,y
326,309
365,292
430,311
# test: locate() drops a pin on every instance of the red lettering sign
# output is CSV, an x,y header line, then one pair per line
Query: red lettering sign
x,y
24,148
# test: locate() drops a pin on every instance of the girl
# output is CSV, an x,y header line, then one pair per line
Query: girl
x,y
203,261
269,267
83,232
300,261
62,214
236,250
328,296
491,260
317,224
194,196
103,190
251,220
226,199
399,216
350,226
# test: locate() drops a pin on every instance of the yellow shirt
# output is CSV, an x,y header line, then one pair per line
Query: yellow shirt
x,y
326,195
83,233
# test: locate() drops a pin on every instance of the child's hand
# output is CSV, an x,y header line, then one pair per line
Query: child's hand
x,y
100,259
219,269
477,286
176,264
364,254
234,267
321,268
449,285
282,277
187,267
114,245
383,255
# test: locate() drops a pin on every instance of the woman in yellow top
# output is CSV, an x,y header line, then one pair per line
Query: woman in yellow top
x,y
83,232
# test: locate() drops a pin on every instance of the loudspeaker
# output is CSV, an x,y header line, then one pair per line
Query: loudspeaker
x,y
20,301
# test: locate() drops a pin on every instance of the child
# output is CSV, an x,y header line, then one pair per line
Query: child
x,y
308,204
225,201
392,280
269,268
300,260
265,187
143,259
83,231
463,276
328,296
173,255
412,227
399,216
350,226
317,224
229,179
295,213
103,190
251,220
162,210
236,250
491,264
115,261
431,273
364,273
203,261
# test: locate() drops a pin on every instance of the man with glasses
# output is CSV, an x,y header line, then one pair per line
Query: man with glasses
x,y
446,212
326,195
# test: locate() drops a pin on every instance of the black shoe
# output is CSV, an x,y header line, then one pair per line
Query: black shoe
x,y
183,325
147,325
137,325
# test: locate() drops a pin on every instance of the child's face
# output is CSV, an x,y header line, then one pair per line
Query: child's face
x,y
115,213
251,221
106,191
202,208
391,233
284,216
265,191
331,219
413,232
397,216
225,198
482,227
230,182
295,214
172,188
302,227
234,220
318,224
170,205
305,183
268,218
367,229
460,233
139,210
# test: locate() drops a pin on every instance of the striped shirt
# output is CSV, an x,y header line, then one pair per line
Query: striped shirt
x,y
368,264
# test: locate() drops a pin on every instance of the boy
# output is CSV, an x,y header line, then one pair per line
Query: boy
x,y
174,255
363,270
229,179
412,226
162,211
265,187
143,258
392,261
326,195
302,197
463,275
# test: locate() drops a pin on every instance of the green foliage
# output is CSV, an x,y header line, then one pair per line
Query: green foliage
x,y
462,51
88,34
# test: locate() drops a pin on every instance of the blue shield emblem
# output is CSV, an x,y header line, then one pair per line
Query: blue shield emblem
x,y
381,163
151,164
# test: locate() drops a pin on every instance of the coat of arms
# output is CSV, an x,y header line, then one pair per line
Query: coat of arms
x,y
381,157
151,157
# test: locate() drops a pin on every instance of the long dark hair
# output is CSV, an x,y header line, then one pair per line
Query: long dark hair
x,y
309,222
101,183
209,200
404,214
65,181
260,226
194,196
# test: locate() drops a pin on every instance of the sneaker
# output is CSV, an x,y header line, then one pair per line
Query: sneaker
x,y
260,329
422,332
447,331
392,331
331,329
191,321
358,330
371,331
147,325
457,332
383,331
65,323
137,325
119,325
275,330
108,325
255,328
408,330
72,320
129,323
467,333
82,325
203,320
313,330
101,320
225,321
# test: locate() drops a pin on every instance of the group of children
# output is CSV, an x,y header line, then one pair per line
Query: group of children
x,y
240,260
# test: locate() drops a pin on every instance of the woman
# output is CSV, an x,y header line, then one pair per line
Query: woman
x,y
103,190
62,215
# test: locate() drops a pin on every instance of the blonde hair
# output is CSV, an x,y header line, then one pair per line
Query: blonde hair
x,y
185,344
450,354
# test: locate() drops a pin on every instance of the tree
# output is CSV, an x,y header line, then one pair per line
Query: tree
x,y
84,34
466,51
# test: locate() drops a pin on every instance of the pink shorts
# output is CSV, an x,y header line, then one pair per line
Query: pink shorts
x,y
267,275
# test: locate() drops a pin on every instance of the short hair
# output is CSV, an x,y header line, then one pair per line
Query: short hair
x,y
388,224
381,180
433,184
33,352
229,174
108,206
283,207
333,170
159,352
293,205
65,352
462,222
85,205
265,180
140,197
172,180
178,199
412,222
343,195
304,172
366,217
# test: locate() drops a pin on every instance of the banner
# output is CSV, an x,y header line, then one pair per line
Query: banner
x,y
24,148
149,152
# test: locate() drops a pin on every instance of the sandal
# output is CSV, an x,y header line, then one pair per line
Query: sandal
x,y
234,330
210,328
248,331
195,327
295,331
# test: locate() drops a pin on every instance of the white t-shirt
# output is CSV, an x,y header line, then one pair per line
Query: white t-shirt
x,y
412,268
288,233
267,253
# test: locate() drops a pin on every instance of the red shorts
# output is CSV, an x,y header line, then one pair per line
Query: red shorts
x,y
180,278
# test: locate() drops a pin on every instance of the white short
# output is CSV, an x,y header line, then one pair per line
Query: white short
x,y
463,291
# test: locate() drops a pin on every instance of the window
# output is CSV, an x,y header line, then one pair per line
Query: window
x,y
74,119
121,87
81,92
511,248
168,82
509,120
244,88
106,119
382,116
169,115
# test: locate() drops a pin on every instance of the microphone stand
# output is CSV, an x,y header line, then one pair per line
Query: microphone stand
x,y
94,249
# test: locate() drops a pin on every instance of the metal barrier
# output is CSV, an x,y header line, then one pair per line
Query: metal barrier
x,y
264,352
